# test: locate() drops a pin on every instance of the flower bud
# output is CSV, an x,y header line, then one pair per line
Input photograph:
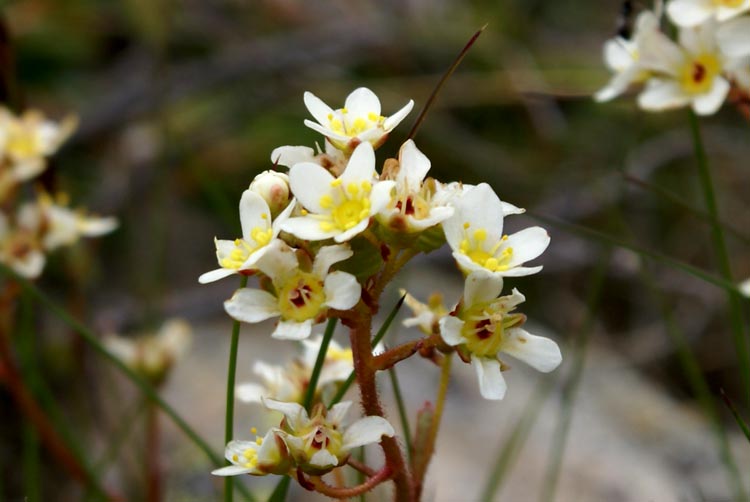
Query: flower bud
x,y
273,186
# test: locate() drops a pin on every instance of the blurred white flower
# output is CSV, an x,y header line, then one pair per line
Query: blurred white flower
x,y
153,356
475,233
745,287
689,13
358,121
622,57
258,231
426,315
321,442
289,383
691,73
483,326
337,208
301,298
20,250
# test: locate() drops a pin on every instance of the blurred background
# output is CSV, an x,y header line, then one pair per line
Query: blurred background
x,y
181,103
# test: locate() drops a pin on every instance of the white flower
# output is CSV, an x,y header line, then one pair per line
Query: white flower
x,y
59,225
483,327
426,315
332,159
266,455
301,298
734,38
337,208
258,231
290,382
26,141
689,13
690,73
744,287
359,121
321,442
413,208
273,187
152,355
450,193
475,233
20,250
622,57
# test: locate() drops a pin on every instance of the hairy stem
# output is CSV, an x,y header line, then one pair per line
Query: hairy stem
x,y
321,486
360,327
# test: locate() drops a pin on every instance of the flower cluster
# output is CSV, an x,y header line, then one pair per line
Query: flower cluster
x,y
323,237
29,230
707,63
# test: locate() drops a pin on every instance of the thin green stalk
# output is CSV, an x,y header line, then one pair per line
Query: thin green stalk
x,y
279,494
698,385
513,444
569,391
722,256
145,388
313,384
32,478
401,411
596,235
737,417
229,409
375,341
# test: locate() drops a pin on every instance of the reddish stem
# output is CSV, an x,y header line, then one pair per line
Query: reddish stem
x,y
153,467
335,492
359,334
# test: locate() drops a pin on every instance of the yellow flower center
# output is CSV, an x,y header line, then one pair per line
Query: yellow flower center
x,y
302,297
344,355
732,4
473,246
352,126
484,328
697,76
347,207
243,249
22,143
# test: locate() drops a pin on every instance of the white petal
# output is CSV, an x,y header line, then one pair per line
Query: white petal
x,y
94,227
413,167
278,262
709,103
287,156
329,255
618,84
391,122
338,411
252,209
659,53
309,182
662,95
366,431
347,235
250,392
482,209
521,271
380,196
292,330
527,244
328,133
491,382
294,412
538,352
323,458
481,287
361,166
450,330
231,470
361,102
509,209
689,12
215,275
317,108
342,290
618,55
307,229
238,447
252,305
734,38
